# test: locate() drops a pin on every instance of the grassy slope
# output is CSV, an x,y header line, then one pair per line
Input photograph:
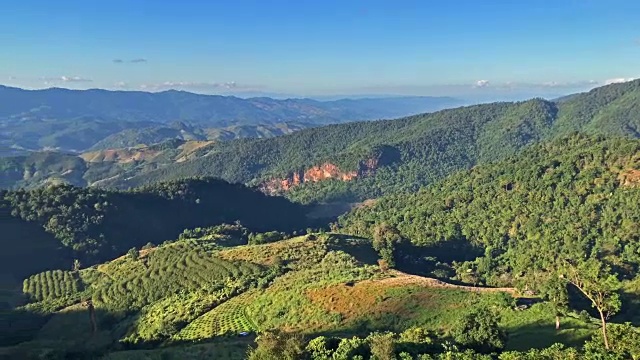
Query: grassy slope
x,y
331,288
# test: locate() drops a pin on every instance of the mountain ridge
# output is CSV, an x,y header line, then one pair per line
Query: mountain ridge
x,y
418,149
77,120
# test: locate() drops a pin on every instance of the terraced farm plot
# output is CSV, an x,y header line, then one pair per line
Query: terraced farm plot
x,y
50,285
173,269
229,318
157,320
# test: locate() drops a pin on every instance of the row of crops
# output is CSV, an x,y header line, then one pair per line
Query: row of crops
x,y
51,285
171,270
229,318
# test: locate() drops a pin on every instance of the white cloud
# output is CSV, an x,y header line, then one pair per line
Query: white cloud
x,y
65,79
121,84
566,84
194,86
481,83
618,81
74,79
131,61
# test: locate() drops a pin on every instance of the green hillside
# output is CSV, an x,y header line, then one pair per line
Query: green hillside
x,y
94,225
198,290
192,297
412,151
405,154
576,195
508,258
530,253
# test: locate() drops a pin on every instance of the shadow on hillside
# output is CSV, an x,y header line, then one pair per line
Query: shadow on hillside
x,y
67,334
630,310
539,336
359,248
424,260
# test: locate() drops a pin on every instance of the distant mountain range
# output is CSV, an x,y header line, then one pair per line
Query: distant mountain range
x,y
77,120
364,159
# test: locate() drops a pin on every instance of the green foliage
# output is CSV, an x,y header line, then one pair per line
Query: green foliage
x,y
226,319
318,348
414,151
97,225
385,239
559,199
133,254
265,238
554,352
479,330
50,285
277,346
382,346
165,318
177,268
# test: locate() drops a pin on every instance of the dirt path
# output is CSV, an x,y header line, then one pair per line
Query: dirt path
x,y
400,278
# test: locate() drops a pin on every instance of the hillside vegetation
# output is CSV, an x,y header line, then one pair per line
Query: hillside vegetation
x,y
559,219
201,290
77,120
94,225
573,196
414,151
503,231
534,256
377,158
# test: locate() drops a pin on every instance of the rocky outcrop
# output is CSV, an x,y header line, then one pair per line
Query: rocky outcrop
x,y
317,173
630,178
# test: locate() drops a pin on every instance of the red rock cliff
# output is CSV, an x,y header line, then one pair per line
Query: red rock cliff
x,y
319,173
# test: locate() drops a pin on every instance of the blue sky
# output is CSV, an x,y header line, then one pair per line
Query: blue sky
x,y
462,48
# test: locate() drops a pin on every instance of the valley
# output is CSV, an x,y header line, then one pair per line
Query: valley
x,y
497,231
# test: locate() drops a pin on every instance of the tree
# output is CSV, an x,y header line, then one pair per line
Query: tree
x,y
625,343
385,239
133,254
76,265
479,330
552,288
318,348
277,346
383,346
596,282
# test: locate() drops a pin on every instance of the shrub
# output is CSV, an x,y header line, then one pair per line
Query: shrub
x,y
479,330
133,254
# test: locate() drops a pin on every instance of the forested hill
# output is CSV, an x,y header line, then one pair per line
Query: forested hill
x,y
413,151
78,120
571,199
95,225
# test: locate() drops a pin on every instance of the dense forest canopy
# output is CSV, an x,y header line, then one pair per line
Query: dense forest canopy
x,y
417,150
409,152
576,196
95,225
